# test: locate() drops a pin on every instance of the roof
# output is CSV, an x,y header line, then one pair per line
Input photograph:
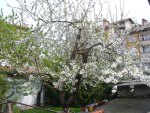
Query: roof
x,y
123,20
140,28
127,105
127,19
121,23
128,83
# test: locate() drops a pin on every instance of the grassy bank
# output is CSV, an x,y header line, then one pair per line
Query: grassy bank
x,y
51,108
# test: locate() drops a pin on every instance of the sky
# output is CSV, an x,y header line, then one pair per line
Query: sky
x,y
137,9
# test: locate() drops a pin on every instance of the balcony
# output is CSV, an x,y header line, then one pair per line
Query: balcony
x,y
145,38
145,42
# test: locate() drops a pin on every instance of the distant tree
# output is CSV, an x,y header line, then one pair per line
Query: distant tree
x,y
14,46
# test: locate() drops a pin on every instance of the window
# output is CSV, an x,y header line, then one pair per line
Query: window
x,y
146,49
132,39
146,37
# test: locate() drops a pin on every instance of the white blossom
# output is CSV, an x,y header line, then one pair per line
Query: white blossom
x,y
119,59
114,91
114,65
82,71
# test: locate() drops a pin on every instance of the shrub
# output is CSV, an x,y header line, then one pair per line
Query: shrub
x,y
91,95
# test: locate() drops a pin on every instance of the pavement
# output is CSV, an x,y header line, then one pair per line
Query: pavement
x,y
127,105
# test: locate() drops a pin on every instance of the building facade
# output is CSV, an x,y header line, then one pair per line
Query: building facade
x,y
138,36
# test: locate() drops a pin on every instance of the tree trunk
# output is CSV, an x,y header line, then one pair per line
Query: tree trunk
x,y
74,94
66,103
63,101
84,53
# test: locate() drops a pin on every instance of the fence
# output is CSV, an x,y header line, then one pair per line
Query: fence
x,y
8,108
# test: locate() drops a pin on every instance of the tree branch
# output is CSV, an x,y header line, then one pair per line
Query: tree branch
x,y
99,43
63,21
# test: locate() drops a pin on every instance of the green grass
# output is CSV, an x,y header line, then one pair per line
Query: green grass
x,y
51,108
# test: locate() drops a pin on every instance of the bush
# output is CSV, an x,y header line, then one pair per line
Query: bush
x,y
15,109
84,97
3,89
92,95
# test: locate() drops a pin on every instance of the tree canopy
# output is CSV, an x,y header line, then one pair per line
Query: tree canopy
x,y
68,47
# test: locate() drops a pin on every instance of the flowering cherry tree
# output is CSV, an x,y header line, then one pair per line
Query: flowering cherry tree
x,y
69,47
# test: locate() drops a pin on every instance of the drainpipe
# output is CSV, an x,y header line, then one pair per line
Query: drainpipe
x,y
9,107
39,95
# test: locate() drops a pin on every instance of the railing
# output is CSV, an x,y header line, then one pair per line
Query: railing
x,y
9,103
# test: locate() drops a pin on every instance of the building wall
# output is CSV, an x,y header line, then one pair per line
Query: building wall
x,y
128,24
30,98
133,41
139,38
